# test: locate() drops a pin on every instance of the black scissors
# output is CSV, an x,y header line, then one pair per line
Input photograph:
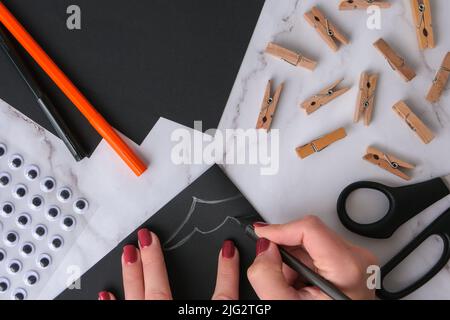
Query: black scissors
x,y
404,204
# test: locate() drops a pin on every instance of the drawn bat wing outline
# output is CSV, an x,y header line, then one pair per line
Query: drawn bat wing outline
x,y
185,231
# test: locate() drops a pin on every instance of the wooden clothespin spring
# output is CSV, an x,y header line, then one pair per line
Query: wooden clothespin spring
x,y
326,29
440,81
291,57
323,97
413,122
269,106
321,143
366,97
421,10
362,4
388,162
396,62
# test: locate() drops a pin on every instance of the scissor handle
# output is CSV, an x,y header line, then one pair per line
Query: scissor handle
x,y
440,227
404,203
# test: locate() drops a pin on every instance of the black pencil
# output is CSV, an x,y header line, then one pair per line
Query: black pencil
x,y
62,129
309,275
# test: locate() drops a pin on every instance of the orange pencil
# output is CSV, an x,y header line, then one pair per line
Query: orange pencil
x,y
68,88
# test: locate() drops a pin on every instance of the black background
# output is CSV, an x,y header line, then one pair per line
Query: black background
x,y
136,60
192,267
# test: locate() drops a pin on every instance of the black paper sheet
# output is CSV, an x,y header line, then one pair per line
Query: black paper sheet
x,y
192,265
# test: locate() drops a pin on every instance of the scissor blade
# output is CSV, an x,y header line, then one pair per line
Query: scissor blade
x,y
446,180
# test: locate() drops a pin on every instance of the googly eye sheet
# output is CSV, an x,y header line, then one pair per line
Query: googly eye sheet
x,y
40,219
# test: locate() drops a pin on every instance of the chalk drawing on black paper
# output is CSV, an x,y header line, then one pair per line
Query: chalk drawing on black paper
x,y
167,246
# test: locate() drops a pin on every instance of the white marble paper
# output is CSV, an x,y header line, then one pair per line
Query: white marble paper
x,y
313,185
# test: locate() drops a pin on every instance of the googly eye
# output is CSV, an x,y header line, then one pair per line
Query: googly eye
x,y
3,150
80,206
2,255
27,249
14,266
56,243
31,278
7,209
64,194
39,232
19,294
19,191
53,213
11,238
31,172
68,223
5,179
23,221
48,184
4,285
36,203
15,162
44,261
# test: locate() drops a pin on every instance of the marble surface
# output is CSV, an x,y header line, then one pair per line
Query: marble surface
x,y
301,186
313,185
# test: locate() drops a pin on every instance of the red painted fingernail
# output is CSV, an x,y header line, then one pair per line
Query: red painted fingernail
x,y
260,224
130,254
228,249
262,245
104,295
145,238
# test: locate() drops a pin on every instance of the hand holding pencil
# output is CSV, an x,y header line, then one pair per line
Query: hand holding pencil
x,y
318,247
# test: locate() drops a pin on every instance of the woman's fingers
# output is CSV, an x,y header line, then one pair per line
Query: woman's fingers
x,y
105,295
227,283
133,281
266,274
290,275
325,252
312,293
144,271
301,255
155,279
321,243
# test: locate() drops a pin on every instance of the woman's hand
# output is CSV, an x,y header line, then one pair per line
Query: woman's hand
x,y
318,247
145,275
345,265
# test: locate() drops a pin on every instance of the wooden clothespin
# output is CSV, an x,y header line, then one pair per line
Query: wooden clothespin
x,y
440,81
388,162
421,10
323,97
269,106
366,97
413,121
326,29
290,57
396,62
362,4
321,143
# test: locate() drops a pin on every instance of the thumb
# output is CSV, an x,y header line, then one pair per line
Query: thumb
x,y
266,274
